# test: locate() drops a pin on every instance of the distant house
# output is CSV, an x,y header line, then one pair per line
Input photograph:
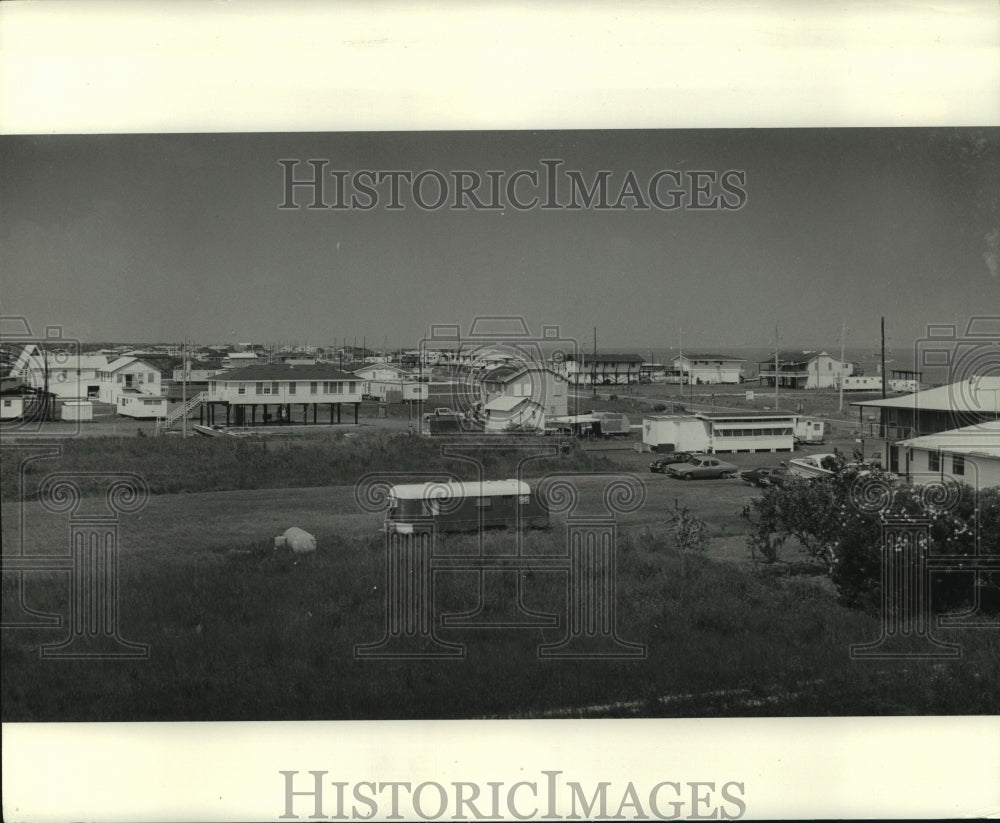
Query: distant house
x,y
11,406
280,393
931,411
235,359
523,396
709,368
128,374
804,370
70,375
970,455
600,369
390,384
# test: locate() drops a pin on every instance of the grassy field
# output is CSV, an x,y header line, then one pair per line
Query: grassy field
x,y
237,631
170,464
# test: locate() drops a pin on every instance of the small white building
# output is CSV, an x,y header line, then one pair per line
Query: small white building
x,y
77,410
709,368
11,406
866,382
235,359
970,455
720,432
131,403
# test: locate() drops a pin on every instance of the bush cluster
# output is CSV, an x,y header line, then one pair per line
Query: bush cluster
x,y
839,521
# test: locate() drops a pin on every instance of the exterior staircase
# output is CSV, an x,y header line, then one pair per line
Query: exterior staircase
x,y
182,410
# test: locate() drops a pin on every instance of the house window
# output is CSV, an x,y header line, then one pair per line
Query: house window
x,y
211,385
291,387
241,389
313,387
353,387
958,464
933,461
7,403
152,377
260,388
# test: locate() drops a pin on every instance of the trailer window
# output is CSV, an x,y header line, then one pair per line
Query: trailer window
x,y
507,499
524,499
484,502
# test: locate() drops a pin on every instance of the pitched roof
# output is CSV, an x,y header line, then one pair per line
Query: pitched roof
x,y
795,356
283,371
458,489
979,439
699,356
977,394
605,358
505,403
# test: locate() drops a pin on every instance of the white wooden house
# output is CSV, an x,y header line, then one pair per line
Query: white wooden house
x,y
970,455
600,369
128,375
804,370
709,368
281,393
69,374
523,396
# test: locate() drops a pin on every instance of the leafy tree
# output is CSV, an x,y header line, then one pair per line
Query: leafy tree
x,y
838,520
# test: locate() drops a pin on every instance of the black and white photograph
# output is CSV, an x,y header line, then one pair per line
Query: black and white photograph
x,y
536,436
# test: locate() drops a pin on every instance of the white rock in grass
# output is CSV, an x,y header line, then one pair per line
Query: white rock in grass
x,y
298,540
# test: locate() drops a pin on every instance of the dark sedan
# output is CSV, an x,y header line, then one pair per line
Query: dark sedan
x,y
766,476
660,464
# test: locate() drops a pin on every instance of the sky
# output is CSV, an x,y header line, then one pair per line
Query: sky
x,y
173,236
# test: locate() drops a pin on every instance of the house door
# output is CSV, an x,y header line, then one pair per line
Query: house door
x,y
894,459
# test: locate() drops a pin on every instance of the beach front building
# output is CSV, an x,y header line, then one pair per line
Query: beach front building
x,y
270,394
931,411
600,369
804,370
69,375
709,368
970,455
128,375
523,397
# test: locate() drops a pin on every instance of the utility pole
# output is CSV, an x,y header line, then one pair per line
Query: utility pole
x,y
883,358
593,366
184,386
775,366
680,359
843,328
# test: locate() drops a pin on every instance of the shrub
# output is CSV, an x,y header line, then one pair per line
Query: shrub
x,y
839,521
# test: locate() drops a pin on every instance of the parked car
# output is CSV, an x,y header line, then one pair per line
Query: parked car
x,y
766,476
661,463
702,466
443,411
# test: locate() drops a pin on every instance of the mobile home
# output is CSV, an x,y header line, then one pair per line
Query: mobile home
x,y
463,506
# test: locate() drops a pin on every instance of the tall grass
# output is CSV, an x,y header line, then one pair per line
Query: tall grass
x,y
172,465
243,632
